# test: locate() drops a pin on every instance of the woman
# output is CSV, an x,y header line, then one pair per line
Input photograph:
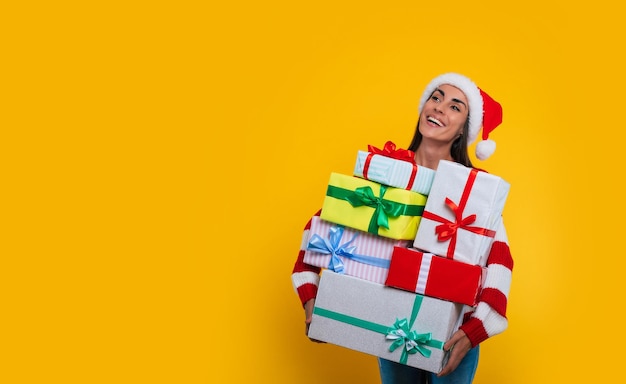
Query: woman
x,y
452,111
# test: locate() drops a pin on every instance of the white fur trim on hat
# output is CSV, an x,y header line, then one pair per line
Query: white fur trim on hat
x,y
472,93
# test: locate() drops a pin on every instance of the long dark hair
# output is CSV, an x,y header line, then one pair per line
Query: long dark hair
x,y
458,151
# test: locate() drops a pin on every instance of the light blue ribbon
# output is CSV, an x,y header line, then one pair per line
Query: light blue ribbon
x,y
332,246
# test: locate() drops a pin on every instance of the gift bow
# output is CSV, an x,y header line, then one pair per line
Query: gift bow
x,y
389,150
412,341
448,229
332,247
383,208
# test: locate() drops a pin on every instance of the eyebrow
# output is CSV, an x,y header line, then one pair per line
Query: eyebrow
x,y
455,100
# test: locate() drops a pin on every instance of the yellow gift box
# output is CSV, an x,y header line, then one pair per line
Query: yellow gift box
x,y
372,207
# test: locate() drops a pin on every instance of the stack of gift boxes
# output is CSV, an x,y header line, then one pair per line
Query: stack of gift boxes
x,y
403,249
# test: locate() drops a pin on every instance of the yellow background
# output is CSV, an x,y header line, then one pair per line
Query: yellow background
x,y
159,160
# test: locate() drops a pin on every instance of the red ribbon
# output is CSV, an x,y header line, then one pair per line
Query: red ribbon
x,y
448,229
389,150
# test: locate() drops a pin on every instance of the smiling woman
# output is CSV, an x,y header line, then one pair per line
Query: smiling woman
x,y
465,101
452,112
444,120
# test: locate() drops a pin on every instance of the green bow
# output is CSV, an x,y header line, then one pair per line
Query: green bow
x,y
411,341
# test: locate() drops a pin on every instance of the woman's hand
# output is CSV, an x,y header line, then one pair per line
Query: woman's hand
x,y
308,314
458,346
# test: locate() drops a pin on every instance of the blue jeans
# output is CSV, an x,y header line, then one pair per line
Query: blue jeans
x,y
396,373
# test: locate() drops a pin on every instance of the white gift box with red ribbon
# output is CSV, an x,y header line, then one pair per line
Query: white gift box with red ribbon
x,y
393,167
463,211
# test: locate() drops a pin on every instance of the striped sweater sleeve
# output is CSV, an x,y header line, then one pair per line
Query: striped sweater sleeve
x,y
489,317
304,277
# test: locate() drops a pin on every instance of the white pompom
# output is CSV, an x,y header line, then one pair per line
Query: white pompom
x,y
485,148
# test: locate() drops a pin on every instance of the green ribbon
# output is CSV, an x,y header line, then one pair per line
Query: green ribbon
x,y
400,332
383,209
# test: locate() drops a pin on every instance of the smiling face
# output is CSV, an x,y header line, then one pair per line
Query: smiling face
x,y
444,114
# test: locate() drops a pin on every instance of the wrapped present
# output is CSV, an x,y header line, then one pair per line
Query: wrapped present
x,y
382,321
434,276
393,167
463,211
345,250
372,207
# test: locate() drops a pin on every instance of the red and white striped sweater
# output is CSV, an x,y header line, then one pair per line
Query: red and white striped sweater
x,y
487,319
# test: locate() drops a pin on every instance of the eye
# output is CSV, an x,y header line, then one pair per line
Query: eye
x,y
435,98
456,108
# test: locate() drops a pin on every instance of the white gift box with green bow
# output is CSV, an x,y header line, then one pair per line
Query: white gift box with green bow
x,y
383,321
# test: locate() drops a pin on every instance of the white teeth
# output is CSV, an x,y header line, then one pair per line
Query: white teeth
x,y
433,120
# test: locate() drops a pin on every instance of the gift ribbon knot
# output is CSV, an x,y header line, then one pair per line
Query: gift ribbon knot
x,y
448,229
412,341
332,247
389,150
383,209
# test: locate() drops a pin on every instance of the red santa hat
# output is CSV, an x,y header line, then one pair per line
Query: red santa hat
x,y
484,111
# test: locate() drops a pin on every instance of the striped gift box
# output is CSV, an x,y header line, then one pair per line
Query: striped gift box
x,y
394,167
348,251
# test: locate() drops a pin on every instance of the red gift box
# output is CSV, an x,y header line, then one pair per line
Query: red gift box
x,y
434,276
